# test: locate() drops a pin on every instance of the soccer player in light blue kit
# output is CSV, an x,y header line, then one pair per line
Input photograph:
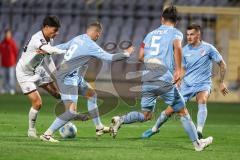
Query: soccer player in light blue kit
x,y
197,60
162,53
70,81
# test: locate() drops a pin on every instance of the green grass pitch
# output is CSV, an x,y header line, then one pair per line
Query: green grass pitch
x,y
171,143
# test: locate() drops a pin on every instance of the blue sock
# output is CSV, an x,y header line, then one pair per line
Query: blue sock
x,y
201,116
160,121
93,111
189,127
60,121
132,117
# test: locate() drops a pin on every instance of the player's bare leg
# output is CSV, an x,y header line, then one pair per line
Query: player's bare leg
x,y
36,102
52,89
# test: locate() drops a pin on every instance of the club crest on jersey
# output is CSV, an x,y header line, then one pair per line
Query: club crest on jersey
x,y
202,52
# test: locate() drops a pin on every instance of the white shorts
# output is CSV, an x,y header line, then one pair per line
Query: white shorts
x,y
29,82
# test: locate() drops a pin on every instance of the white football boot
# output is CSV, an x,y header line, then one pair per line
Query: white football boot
x,y
203,143
115,126
48,138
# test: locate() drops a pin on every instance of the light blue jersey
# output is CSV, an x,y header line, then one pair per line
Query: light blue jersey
x,y
197,62
79,51
83,45
157,82
159,44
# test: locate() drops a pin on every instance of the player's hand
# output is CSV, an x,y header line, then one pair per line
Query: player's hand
x,y
223,89
177,78
130,50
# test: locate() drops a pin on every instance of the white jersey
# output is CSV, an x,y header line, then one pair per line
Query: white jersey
x,y
30,59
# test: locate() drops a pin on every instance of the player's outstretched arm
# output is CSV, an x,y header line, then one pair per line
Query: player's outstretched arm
x,y
223,88
100,53
119,56
51,50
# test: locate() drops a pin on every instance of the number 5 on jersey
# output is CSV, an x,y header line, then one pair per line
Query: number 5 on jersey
x,y
155,47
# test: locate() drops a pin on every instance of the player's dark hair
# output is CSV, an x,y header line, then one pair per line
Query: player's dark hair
x,y
194,26
98,25
52,21
170,13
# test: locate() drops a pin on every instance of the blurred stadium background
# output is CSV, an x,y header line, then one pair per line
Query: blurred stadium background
x,y
131,20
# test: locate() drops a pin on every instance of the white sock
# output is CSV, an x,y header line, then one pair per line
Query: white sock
x,y
32,116
199,129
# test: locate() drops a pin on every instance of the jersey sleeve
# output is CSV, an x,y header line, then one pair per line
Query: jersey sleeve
x,y
178,36
214,54
98,52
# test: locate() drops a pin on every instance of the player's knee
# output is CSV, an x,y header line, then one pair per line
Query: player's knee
x,y
183,112
169,111
91,94
37,104
202,101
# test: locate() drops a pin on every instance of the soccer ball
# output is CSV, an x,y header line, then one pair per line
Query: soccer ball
x,y
69,130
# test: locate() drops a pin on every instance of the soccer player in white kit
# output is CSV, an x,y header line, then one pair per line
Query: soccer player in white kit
x,y
30,72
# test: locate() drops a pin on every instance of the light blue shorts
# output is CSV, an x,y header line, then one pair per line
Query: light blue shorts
x,y
168,92
74,86
188,92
